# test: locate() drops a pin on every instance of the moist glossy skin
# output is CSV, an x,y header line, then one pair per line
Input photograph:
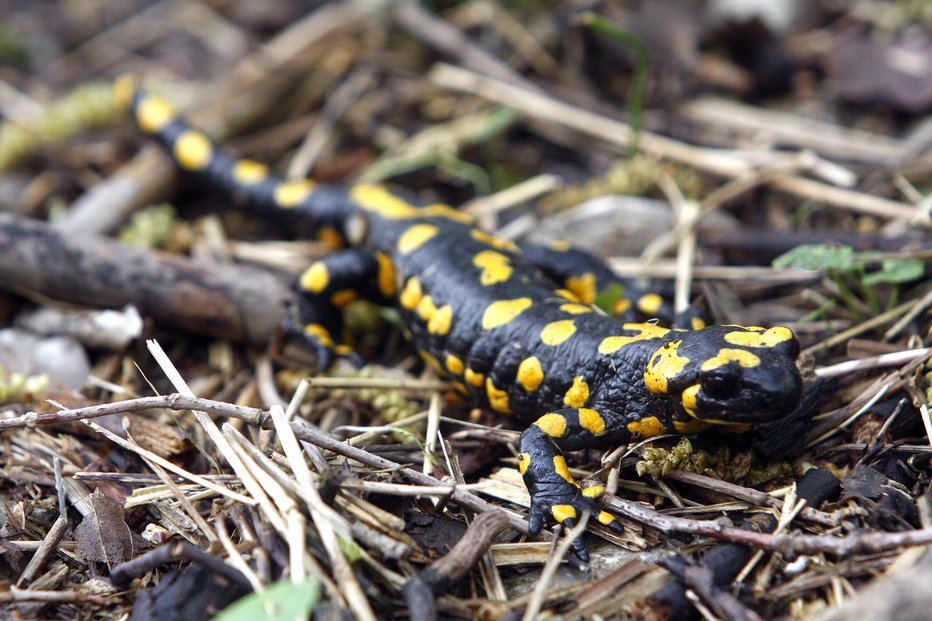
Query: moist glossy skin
x,y
514,327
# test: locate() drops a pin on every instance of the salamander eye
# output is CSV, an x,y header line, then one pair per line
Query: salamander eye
x,y
722,382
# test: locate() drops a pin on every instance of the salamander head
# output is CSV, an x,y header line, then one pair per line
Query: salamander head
x,y
728,374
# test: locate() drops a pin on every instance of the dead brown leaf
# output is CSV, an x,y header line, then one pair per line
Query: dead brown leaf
x,y
103,535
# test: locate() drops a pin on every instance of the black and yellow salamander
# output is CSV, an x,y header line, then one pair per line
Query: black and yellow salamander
x,y
514,326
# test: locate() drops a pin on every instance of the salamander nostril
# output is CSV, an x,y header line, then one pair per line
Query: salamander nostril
x,y
722,382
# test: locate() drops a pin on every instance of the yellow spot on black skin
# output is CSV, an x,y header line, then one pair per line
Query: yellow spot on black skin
x,y
690,426
386,274
320,333
530,374
495,267
577,394
665,364
563,512
441,320
498,399
153,114
583,286
560,467
557,332
426,308
248,172
474,379
591,421
343,297
647,427
289,194
454,364
193,150
415,237
559,245
767,338
330,237
689,399
432,362
524,460
495,242
611,344
500,312
650,303
554,425
315,278
605,518
743,357
411,294
594,491
621,306
575,309
697,323
566,294
378,200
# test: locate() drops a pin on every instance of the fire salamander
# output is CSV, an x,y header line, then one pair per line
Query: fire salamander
x,y
514,326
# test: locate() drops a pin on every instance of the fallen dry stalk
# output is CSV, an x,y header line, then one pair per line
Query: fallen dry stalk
x,y
543,107
164,463
324,518
46,548
790,546
539,596
262,418
123,574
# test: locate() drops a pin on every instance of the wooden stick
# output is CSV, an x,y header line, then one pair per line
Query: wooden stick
x,y
238,303
123,574
790,546
443,573
48,546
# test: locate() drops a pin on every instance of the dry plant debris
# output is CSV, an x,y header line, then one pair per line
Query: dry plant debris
x,y
782,168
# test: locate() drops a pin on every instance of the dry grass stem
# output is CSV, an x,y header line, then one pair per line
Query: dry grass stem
x,y
164,463
542,107
540,593
324,519
861,328
185,501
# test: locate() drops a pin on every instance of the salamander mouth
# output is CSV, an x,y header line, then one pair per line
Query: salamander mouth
x,y
753,404
716,411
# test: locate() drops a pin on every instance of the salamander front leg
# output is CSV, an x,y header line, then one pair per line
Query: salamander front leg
x,y
552,488
325,288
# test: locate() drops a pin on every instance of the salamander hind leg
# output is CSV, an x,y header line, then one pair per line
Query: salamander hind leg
x,y
588,279
324,289
554,493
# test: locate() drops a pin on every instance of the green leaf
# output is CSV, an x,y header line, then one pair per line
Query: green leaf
x,y
894,271
350,550
607,298
282,601
818,257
